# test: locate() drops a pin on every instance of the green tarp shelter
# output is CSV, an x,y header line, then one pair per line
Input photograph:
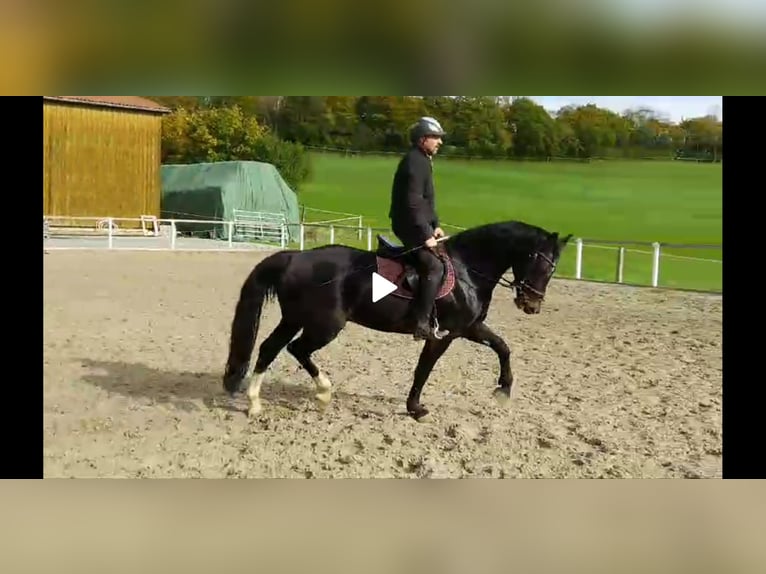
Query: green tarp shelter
x,y
212,191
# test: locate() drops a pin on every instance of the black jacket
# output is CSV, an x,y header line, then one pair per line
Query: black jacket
x,y
413,212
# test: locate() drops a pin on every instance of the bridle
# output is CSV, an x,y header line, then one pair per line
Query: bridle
x,y
522,287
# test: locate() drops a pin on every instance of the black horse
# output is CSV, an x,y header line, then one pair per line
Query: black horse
x,y
320,289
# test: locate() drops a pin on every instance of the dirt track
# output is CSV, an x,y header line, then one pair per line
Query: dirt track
x,y
609,382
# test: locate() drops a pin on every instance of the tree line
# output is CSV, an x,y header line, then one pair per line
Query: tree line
x,y
278,129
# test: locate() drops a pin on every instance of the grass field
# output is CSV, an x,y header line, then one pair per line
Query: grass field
x,y
668,202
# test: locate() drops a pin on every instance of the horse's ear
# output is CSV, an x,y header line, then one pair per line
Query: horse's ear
x,y
566,239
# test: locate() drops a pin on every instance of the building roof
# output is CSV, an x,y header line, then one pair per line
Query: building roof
x,y
125,102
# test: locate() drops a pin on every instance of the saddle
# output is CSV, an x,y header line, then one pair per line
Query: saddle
x,y
395,265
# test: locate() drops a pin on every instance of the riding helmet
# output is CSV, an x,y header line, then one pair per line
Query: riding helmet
x,y
426,126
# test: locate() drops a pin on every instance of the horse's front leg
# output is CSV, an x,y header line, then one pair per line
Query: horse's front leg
x,y
432,351
480,333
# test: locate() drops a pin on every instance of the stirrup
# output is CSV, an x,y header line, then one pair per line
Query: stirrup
x,y
438,333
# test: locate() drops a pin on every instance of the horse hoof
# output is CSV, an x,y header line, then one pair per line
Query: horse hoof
x,y
255,409
421,415
424,418
502,395
324,397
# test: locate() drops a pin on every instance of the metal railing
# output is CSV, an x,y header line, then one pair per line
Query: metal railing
x,y
258,226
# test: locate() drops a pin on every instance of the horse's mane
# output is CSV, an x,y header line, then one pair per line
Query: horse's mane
x,y
504,232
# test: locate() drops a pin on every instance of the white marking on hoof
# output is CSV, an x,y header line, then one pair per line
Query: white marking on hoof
x,y
425,418
324,386
255,407
322,382
254,393
501,398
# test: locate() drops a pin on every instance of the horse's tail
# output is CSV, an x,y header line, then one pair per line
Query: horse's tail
x,y
260,286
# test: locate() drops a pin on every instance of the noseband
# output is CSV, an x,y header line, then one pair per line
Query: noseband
x,y
523,288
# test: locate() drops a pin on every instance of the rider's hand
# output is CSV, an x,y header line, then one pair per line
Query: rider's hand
x,y
438,233
431,242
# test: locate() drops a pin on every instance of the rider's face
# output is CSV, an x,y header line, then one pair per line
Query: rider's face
x,y
431,144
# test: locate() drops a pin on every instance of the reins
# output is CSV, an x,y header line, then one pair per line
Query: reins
x,y
502,281
519,285
367,267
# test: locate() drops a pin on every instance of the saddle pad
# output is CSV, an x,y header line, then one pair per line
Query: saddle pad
x,y
394,272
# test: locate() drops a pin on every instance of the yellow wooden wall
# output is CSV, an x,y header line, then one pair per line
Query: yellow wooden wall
x,y
100,161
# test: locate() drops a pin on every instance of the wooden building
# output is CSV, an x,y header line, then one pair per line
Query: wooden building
x,y
101,156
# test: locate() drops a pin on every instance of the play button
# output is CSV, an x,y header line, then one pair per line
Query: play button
x,y
381,287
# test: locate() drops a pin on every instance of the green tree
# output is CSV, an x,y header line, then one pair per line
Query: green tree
x,y
534,130
204,128
704,137
225,133
593,126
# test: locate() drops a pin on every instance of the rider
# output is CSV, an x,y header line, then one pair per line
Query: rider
x,y
413,215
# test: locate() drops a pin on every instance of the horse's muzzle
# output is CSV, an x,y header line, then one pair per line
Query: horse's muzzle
x,y
529,306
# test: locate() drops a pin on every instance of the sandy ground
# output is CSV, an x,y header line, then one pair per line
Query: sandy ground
x,y
610,382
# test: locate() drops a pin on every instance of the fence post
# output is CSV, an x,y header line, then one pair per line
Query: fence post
x,y
620,263
230,226
110,232
332,235
301,236
360,228
656,265
578,261
283,236
172,233
369,239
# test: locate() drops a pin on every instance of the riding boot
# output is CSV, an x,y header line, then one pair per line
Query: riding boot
x,y
429,287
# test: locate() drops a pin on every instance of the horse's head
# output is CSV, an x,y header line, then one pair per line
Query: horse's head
x,y
534,274
530,251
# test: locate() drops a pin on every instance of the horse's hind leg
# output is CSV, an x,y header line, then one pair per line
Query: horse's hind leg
x,y
268,351
312,339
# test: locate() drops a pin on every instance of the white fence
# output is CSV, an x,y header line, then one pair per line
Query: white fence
x,y
259,226
657,254
253,231
248,230
335,220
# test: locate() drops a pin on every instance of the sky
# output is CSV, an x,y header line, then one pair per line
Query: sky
x,y
745,14
674,108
